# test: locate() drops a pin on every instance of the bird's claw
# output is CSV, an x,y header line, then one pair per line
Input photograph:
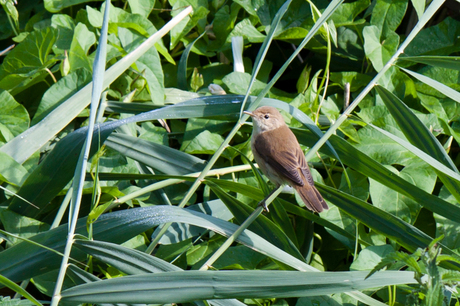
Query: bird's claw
x,y
264,205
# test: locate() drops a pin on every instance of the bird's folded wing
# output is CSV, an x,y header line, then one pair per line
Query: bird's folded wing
x,y
287,163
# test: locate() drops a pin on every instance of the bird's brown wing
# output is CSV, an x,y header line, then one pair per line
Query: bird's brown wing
x,y
289,163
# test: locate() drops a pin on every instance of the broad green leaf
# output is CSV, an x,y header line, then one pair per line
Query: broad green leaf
x,y
387,16
370,257
200,11
245,29
443,35
238,82
82,40
141,7
163,288
13,116
223,24
55,6
438,166
355,79
359,184
25,65
61,91
419,174
251,7
347,12
204,143
195,126
11,171
382,149
65,26
148,65
379,52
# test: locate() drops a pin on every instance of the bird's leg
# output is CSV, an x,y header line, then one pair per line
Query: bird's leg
x,y
275,192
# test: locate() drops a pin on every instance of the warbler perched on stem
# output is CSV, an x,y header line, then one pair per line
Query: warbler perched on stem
x,y
279,156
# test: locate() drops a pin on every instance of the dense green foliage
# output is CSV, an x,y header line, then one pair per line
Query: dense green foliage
x,y
170,171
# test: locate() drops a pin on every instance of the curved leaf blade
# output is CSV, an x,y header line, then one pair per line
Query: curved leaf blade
x,y
188,286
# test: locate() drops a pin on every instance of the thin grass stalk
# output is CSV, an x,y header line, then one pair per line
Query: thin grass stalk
x,y
62,209
263,52
434,6
172,181
252,217
327,13
79,177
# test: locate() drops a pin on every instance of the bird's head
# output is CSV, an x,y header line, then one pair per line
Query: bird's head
x,y
266,118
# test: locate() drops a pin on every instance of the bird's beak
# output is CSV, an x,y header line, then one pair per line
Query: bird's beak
x,y
248,113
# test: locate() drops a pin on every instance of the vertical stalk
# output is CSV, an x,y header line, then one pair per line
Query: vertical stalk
x,y
79,176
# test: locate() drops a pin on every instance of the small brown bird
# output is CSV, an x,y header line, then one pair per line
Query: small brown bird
x,y
280,157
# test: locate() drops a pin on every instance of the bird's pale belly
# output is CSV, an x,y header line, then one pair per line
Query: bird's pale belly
x,y
266,169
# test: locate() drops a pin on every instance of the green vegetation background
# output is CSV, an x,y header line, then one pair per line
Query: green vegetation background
x,y
388,167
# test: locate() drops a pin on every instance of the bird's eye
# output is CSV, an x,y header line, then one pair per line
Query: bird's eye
x,y
266,116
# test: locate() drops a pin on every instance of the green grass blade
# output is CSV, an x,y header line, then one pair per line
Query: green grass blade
x,y
187,286
182,68
419,135
126,260
18,289
132,262
449,62
80,170
159,157
446,90
422,155
415,131
369,167
379,220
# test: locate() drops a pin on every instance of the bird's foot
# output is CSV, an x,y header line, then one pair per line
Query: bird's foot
x,y
264,205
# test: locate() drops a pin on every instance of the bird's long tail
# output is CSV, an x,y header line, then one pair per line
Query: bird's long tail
x,y
311,197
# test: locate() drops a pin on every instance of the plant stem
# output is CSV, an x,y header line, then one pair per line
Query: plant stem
x,y
272,196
